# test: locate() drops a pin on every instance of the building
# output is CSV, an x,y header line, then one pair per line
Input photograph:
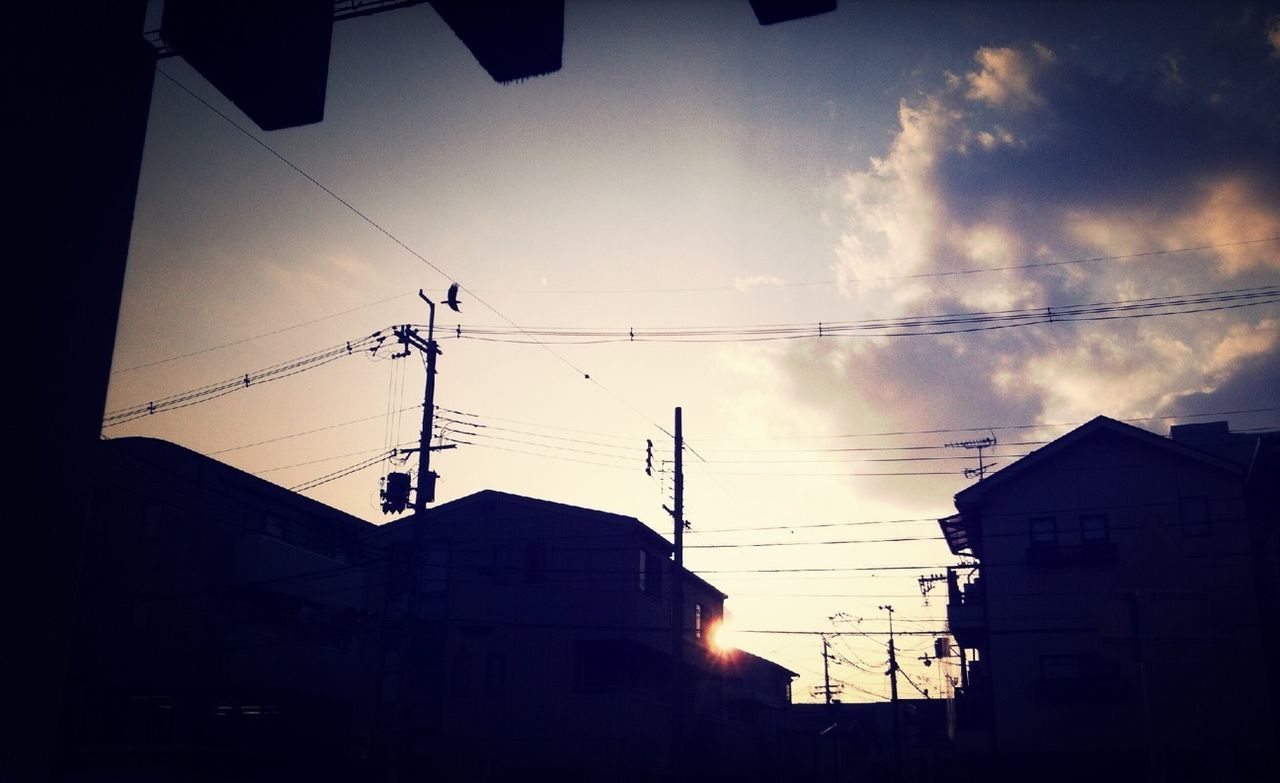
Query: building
x,y
533,640
234,630
221,627
1108,619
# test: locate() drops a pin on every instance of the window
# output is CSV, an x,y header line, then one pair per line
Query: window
x,y
697,621
1044,531
1093,528
650,573
1194,514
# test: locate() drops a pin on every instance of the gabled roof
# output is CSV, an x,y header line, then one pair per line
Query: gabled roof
x,y
1079,435
488,499
179,463
740,659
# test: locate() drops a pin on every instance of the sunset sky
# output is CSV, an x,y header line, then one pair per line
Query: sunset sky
x,y
690,168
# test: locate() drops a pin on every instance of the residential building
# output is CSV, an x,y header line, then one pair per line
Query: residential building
x,y
532,639
221,625
234,630
1108,617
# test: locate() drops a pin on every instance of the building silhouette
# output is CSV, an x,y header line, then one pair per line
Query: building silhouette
x,y
1113,615
240,631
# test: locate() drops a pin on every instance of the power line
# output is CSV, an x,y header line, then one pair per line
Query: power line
x,y
222,388
244,340
306,432
387,233
914,276
907,326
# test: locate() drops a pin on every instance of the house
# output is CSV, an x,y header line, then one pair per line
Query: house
x,y
233,628
1108,616
531,639
221,625
847,742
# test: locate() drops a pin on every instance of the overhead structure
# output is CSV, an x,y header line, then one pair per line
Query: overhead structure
x,y
775,11
270,59
512,39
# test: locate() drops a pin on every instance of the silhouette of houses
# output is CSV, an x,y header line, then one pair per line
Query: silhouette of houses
x,y
1109,619
221,627
237,628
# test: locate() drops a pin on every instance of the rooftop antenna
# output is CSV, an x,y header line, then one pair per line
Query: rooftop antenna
x,y
981,444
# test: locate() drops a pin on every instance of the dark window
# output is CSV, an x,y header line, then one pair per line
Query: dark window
x,y
697,621
1044,531
650,573
535,563
1194,515
1093,527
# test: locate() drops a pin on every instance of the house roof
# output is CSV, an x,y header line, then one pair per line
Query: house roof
x,y
740,659
958,530
183,464
1080,434
489,499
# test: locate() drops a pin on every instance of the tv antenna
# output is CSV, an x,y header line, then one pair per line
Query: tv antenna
x,y
981,444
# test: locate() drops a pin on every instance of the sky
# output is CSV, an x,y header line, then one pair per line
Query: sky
x,y
689,168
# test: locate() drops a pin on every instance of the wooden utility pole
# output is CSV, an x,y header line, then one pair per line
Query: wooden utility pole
x,y
826,668
679,686
893,697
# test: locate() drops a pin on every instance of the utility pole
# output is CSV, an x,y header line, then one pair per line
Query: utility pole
x,y
893,696
678,684
826,668
411,561
425,492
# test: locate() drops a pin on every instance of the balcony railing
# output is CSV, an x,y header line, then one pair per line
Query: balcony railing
x,y
966,608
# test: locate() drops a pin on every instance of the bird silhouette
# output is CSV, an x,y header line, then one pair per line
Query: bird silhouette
x,y
452,298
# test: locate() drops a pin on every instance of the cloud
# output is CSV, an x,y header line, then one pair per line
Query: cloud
x,y
1005,77
1030,158
893,207
1229,214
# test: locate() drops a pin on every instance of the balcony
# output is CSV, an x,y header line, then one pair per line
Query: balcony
x,y
966,609
974,708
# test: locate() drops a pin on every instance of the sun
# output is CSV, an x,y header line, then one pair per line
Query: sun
x,y
720,637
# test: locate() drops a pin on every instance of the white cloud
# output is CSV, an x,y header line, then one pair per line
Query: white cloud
x,y
893,206
1228,212
959,188
1242,342
1005,77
